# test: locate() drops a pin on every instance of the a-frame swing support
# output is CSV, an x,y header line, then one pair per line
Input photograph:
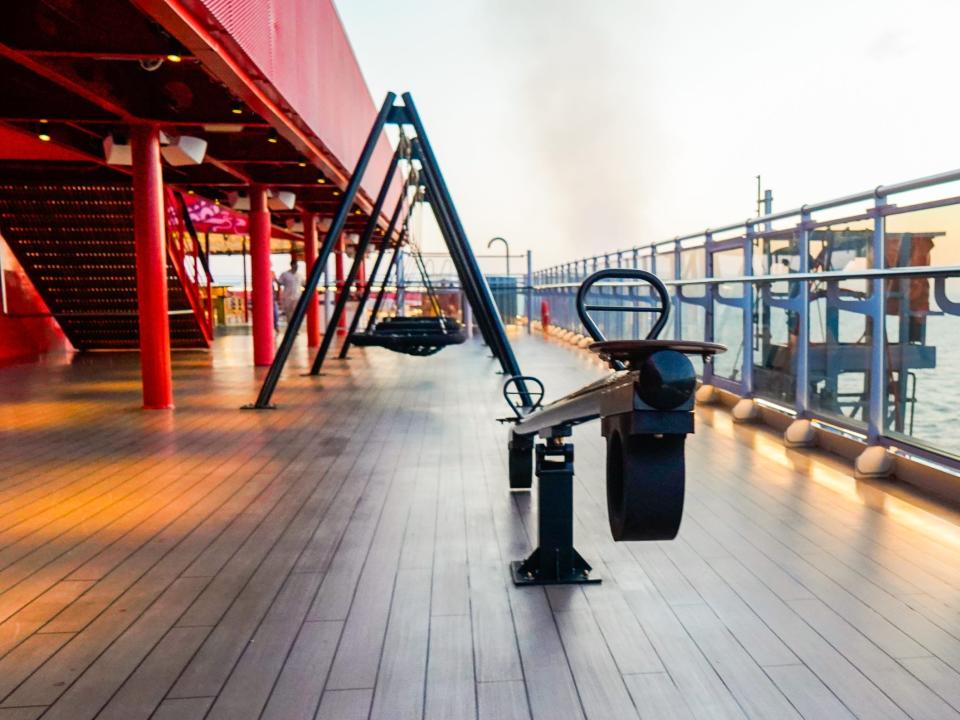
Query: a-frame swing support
x,y
474,284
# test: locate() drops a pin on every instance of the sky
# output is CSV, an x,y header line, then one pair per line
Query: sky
x,y
575,128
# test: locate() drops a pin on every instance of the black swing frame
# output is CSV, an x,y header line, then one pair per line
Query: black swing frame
x,y
455,237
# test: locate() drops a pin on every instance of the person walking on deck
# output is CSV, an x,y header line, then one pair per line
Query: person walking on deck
x,y
290,289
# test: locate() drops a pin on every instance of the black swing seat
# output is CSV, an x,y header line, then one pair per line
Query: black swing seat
x,y
633,353
420,336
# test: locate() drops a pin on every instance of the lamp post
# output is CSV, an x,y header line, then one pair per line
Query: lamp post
x,y
506,249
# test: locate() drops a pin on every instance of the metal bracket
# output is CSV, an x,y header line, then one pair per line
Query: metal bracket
x,y
555,561
398,115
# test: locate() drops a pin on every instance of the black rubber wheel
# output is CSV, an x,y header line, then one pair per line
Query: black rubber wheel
x,y
645,485
520,461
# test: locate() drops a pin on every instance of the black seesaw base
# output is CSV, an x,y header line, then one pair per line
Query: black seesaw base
x,y
555,561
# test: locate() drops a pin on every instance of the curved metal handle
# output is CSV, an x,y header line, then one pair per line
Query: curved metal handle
x,y
516,387
623,274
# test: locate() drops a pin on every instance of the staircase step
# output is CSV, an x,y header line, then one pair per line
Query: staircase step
x,y
76,244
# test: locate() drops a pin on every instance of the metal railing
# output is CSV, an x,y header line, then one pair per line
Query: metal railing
x,y
832,311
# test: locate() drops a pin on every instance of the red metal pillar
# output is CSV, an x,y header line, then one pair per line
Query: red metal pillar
x,y
309,258
150,241
342,323
262,281
362,274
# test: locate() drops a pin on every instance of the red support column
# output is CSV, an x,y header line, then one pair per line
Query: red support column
x,y
342,323
150,241
362,274
309,258
262,281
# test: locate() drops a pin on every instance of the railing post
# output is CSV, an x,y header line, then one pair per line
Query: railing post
x,y
800,432
529,292
746,372
803,318
711,293
400,298
875,461
635,294
677,271
878,393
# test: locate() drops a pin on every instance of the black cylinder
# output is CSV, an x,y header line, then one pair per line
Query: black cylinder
x,y
667,379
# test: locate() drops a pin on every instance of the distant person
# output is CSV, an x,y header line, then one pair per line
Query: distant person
x,y
290,289
276,304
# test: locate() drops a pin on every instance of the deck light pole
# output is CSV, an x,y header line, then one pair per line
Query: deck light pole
x,y
506,249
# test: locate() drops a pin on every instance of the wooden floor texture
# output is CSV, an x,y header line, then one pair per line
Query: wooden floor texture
x,y
345,556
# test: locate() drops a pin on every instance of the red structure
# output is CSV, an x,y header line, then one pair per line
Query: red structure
x,y
310,251
151,253
338,262
262,276
273,89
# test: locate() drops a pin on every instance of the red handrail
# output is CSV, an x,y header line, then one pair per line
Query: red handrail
x,y
183,245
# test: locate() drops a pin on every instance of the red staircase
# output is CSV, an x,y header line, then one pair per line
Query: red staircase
x,y
75,242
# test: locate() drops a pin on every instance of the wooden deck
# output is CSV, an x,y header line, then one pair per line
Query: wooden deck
x,y
345,556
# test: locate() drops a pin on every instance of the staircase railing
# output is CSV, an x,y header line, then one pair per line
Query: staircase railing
x,y
190,262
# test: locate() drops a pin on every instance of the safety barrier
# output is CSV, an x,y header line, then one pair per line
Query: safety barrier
x,y
836,313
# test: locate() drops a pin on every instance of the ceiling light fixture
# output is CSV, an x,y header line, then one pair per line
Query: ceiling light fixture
x,y
237,109
44,137
272,137
184,150
174,58
116,150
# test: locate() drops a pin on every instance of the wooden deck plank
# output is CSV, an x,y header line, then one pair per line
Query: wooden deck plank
x,y
296,694
503,700
346,554
451,681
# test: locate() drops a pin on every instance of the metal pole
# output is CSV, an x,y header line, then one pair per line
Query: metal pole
x,y
336,227
310,257
246,287
506,250
3,281
803,318
383,287
878,391
467,277
710,291
486,306
400,299
748,299
361,303
338,266
677,301
150,243
327,303
362,245
263,330
529,292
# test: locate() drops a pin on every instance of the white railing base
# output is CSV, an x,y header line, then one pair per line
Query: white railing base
x,y
800,434
745,411
874,462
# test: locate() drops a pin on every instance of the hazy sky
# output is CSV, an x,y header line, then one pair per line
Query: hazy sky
x,y
579,127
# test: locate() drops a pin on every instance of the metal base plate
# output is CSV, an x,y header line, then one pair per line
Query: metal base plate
x,y
522,577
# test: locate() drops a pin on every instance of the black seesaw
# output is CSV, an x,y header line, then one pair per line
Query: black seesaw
x,y
645,407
